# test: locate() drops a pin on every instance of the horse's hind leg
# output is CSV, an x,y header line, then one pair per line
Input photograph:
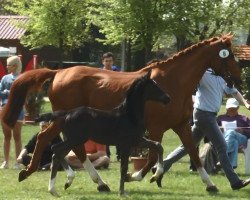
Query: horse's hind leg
x,y
102,186
186,137
43,139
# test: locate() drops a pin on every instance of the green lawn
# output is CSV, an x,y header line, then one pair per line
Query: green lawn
x,y
178,183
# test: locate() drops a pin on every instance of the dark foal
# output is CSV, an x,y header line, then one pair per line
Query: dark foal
x,y
122,126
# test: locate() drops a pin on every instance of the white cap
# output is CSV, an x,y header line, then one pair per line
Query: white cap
x,y
232,103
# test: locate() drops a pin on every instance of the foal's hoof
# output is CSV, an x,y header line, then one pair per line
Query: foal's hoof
x,y
153,179
54,193
124,195
66,186
158,181
212,188
22,175
128,177
103,188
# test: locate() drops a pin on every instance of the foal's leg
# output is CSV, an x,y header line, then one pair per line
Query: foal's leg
x,y
102,186
124,168
43,139
152,145
60,151
54,168
70,173
186,137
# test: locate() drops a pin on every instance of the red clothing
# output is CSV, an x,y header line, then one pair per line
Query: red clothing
x,y
93,147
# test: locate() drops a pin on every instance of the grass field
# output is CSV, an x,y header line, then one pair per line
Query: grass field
x,y
178,183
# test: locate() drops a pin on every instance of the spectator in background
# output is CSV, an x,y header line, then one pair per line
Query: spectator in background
x,y
14,68
108,64
46,159
96,154
236,137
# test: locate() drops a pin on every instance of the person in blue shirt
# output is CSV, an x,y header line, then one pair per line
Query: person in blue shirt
x,y
14,67
108,62
207,103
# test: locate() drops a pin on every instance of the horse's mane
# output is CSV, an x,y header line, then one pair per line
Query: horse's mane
x,y
188,50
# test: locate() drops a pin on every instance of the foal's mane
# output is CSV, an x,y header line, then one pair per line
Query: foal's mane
x,y
188,50
133,90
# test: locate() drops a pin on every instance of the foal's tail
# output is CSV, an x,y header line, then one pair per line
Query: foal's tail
x,y
51,116
26,82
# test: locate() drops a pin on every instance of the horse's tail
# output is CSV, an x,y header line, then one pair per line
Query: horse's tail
x,y
28,81
51,116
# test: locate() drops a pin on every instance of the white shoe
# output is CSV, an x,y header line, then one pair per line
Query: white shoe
x,y
17,166
4,165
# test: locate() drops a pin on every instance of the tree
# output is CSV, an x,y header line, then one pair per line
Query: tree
x,y
58,23
145,22
139,23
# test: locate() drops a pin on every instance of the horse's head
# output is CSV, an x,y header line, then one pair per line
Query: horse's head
x,y
225,63
153,92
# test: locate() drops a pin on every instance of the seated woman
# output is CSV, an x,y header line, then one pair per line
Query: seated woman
x,y
235,137
25,157
96,153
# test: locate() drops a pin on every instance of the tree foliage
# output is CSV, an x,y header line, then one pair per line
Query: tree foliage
x,y
59,23
144,22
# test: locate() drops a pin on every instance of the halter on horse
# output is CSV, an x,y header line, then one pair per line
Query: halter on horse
x,y
102,89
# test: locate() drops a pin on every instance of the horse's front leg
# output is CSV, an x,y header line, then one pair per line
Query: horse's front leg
x,y
123,169
102,186
43,139
185,135
155,135
155,146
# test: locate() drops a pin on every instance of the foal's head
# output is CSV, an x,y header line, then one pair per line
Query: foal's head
x,y
142,90
225,63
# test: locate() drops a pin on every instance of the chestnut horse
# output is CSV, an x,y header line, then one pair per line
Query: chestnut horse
x,y
178,76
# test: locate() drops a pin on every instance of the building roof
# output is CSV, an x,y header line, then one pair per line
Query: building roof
x,y
9,27
242,52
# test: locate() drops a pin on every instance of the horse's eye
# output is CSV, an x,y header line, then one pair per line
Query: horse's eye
x,y
236,58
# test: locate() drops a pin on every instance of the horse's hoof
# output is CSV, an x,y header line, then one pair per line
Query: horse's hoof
x,y
103,188
212,188
128,177
22,175
158,181
54,193
124,194
66,186
153,179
